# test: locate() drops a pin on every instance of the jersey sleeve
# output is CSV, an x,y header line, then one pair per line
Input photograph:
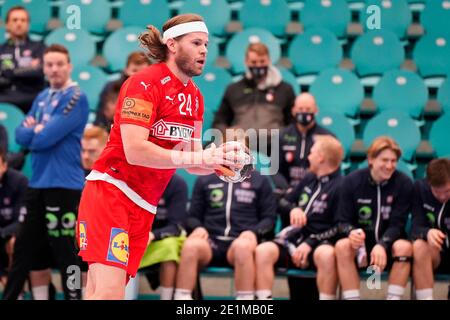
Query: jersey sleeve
x,y
138,103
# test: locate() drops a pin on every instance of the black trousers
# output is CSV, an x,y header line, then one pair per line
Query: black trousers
x,y
46,238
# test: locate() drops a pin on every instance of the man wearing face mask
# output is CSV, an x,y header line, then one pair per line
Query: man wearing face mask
x,y
296,140
260,100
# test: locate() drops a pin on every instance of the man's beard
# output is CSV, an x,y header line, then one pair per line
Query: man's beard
x,y
183,62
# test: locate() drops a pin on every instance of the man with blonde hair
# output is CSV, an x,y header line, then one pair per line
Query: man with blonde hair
x,y
374,207
92,144
311,207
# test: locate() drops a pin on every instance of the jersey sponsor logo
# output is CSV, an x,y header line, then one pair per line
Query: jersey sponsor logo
x,y
172,131
118,249
165,80
431,219
303,200
136,109
145,85
170,99
82,235
289,156
216,197
364,215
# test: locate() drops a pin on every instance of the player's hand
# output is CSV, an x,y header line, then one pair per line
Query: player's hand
x,y
357,238
378,257
298,217
200,233
29,122
38,128
300,256
436,238
151,237
226,154
249,235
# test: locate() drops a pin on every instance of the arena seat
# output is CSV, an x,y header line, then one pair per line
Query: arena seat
x,y
340,126
290,78
91,80
140,13
79,43
401,90
435,17
338,90
237,46
439,136
399,126
11,117
212,83
271,15
94,14
333,15
431,55
118,45
443,95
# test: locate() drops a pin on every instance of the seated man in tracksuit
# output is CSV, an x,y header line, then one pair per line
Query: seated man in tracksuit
x,y
228,220
311,207
431,227
166,239
374,206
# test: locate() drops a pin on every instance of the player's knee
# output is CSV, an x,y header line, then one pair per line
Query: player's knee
x,y
343,249
420,249
324,257
243,249
264,254
191,248
402,248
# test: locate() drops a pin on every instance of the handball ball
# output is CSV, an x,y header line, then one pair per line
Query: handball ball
x,y
238,175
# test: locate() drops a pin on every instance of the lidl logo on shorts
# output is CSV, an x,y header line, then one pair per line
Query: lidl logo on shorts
x,y
82,235
118,249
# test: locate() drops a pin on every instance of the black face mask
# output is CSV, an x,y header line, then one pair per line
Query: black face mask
x,y
304,118
258,72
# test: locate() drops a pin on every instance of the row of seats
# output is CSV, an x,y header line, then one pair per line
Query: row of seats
x,y
332,14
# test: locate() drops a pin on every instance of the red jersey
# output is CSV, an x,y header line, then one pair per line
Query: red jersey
x,y
155,99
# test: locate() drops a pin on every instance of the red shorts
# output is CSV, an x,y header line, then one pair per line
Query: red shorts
x,y
111,228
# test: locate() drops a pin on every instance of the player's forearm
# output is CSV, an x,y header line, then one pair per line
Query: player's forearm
x,y
199,171
148,154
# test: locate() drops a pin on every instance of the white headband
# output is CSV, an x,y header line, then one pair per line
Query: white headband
x,y
183,28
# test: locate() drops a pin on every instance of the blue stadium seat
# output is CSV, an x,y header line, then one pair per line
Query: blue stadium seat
x,y
94,14
435,18
439,136
399,126
431,55
339,91
11,117
217,13
40,13
237,46
271,15
212,84
340,126
401,90
333,15
396,15
79,43
289,78
141,13
119,45
91,81
377,51
313,51
444,95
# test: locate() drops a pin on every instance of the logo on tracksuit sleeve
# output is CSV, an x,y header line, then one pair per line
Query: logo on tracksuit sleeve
x,y
118,249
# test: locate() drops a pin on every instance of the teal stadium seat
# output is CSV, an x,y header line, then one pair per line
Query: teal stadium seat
x,y
2,34
313,51
333,15
269,14
439,136
140,13
435,18
11,117
212,84
237,46
338,90
396,16
443,95
189,179
431,55
401,90
94,14
377,51
290,78
399,126
40,12
217,14
118,45
213,51
79,43
91,80
340,126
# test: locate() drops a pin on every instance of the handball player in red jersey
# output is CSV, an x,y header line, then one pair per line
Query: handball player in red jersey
x,y
158,120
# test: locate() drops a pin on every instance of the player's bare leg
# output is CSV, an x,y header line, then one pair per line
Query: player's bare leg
x,y
108,282
347,271
325,261
266,256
